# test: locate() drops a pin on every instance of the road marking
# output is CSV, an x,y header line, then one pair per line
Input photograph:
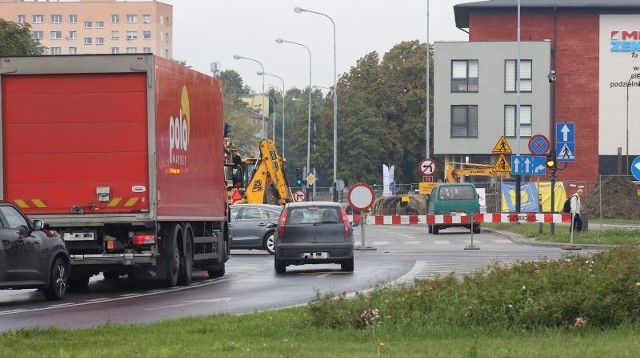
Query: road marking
x,y
441,242
503,241
189,303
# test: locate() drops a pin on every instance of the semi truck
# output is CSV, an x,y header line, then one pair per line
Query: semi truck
x,y
123,155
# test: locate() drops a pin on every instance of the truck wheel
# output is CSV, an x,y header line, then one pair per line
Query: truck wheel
x,y
476,229
216,271
430,229
58,278
110,275
186,263
171,256
78,282
269,243
436,230
280,266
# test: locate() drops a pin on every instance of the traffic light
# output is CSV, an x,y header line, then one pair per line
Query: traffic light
x,y
298,176
552,162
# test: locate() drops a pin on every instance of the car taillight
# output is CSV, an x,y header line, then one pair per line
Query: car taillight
x,y
143,239
283,219
345,222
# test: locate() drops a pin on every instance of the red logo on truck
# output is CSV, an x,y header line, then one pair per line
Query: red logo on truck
x,y
179,134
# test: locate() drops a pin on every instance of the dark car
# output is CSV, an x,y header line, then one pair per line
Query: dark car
x,y
253,226
314,233
31,256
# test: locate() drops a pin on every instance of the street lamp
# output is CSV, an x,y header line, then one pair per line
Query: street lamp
x,y
281,41
274,122
237,57
335,93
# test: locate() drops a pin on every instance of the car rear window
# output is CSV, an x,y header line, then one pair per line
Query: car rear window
x,y
457,193
314,214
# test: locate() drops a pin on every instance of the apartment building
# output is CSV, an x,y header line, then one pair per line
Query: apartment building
x,y
69,27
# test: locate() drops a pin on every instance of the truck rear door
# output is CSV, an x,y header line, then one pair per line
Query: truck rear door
x,y
76,142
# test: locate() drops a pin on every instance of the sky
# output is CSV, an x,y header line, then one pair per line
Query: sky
x,y
206,31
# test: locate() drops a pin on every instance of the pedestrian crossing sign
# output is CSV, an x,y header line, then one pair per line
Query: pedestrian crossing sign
x,y
502,147
502,165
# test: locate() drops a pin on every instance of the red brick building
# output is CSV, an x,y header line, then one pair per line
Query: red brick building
x,y
595,47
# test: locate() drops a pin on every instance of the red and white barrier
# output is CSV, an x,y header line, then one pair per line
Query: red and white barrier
x,y
464,218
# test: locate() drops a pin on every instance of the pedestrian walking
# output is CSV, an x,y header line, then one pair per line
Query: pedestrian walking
x,y
575,210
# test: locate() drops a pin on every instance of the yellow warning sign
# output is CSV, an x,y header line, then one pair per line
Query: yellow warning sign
x,y
502,165
425,188
502,147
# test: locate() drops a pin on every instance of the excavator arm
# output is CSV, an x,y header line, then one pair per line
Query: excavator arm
x,y
268,183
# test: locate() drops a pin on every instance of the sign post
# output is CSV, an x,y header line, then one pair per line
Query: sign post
x,y
361,197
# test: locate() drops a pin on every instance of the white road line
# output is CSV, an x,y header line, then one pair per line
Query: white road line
x,y
441,242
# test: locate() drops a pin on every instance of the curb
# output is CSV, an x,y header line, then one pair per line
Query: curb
x,y
534,242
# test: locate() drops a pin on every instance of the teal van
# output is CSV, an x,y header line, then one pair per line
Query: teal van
x,y
453,199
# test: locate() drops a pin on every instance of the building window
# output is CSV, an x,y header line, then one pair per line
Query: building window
x,y
73,19
131,50
21,19
99,24
132,35
56,19
115,35
464,121
99,40
146,19
73,50
88,41
37,35
146,35
146,50
132,19
38,19
115,19
510,121
56,35
464,76
88,24
511,73
73,35
115,50
56,50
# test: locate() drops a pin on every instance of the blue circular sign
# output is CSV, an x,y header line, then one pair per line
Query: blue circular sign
x,y
635,168
539,145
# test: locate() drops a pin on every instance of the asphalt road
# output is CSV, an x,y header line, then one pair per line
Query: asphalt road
x,y
390,254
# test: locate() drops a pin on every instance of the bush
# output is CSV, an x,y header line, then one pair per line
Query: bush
x,y
600,291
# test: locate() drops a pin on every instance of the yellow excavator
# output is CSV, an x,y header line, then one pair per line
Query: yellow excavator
x,y
452,175
267,181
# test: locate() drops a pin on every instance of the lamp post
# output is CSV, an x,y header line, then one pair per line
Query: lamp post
x,y
237,57
335,94
274,123
281,41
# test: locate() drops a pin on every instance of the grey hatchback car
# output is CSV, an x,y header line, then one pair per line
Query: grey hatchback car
x,y
315,232
253,225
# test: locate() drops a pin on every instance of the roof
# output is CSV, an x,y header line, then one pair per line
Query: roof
x,y
462,11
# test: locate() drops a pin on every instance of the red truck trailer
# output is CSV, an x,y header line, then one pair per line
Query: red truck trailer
x,y
124,156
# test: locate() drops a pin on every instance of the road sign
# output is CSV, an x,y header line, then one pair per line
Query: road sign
x,y
566,142
428,166
635,168
361,196
425,188
311,179
528,165
299,196
539,145
502,165
502,147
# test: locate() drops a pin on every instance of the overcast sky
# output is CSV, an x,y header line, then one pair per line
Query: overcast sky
x,y
206,31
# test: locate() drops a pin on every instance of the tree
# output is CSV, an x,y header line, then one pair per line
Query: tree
x,y
16,40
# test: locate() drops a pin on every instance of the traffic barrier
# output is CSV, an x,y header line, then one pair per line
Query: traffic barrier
x,y
478,218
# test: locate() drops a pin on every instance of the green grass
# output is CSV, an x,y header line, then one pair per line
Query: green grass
x,y
526,309
561,234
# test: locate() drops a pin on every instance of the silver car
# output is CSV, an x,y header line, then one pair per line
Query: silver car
x,y
253,226
313,233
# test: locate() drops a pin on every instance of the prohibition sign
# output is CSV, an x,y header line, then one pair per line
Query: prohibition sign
x,y
539,144
427,166
361,196
299,196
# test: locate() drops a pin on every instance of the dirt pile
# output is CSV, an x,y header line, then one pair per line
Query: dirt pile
x,y
619,200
